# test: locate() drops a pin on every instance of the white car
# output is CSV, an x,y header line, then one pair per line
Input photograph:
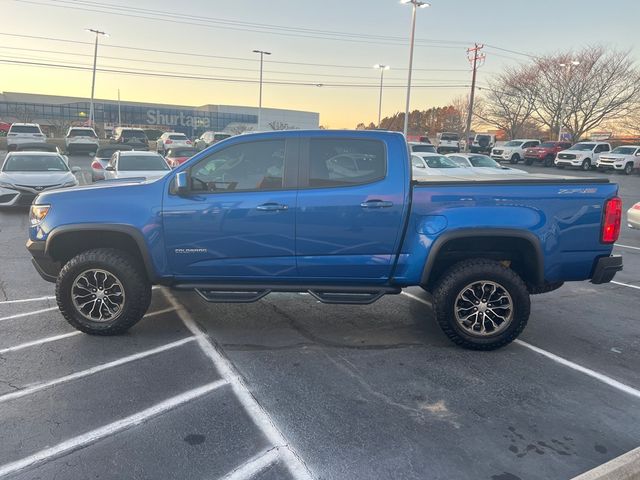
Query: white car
x,y
170,140
633,216
421,147
625,158
81,138
582,154
483,164
513,150
24,133
427,164
136,164
26,174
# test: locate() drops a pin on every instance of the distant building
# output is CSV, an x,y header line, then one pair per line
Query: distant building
x,y
55,113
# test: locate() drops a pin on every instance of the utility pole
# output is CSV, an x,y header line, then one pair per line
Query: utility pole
x,y
477,60
382,68
93,79
262,54
119,117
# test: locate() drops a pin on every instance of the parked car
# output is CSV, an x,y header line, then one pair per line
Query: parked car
x,y
36,147
633,216
482,164
582,154
172,139
426,164
24,133
481,246
136,164
26,174
545,152
81,139
178,155
625,158
483,143
421,147
513,150
102,157
448,142
209,138
135,137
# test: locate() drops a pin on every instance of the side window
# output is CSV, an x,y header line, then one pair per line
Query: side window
x,y
247,166
336,162
601,148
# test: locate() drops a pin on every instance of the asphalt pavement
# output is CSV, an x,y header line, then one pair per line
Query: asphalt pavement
x,y
291,388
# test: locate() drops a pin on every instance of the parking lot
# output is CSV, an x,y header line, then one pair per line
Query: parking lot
x,y
291,388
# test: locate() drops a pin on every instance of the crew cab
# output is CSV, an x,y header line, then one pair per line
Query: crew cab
x,y
545,152
625,158
333,213
513,150
583,155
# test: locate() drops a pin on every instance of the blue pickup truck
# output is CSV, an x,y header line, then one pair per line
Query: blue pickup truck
x,y
332,213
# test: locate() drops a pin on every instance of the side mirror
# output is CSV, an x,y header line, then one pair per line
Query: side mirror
x,y
419,166
182,183
110,168
75,169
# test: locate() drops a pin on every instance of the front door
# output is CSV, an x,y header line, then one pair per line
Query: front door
x,y
237,220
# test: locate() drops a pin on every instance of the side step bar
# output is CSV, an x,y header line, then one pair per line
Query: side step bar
x,y
247,293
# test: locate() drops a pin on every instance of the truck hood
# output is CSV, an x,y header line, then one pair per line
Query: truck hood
x,y
577,152
99,189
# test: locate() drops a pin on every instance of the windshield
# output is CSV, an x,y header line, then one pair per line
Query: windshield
x,y
483,161
449,137
624,150
133,134
220,136
141,163
439,161
24,129
459,161
185,152
483,137
547,145
35,163
583,146
423,148
82,133
180,136
513,143
106,152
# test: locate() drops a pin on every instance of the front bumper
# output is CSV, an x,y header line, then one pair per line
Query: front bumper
x,y
45,265
16,198
568,163
606,268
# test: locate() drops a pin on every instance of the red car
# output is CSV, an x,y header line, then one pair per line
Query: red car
x,y
545,152
178,155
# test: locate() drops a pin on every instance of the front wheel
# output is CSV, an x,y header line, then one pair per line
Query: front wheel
x,y
103,292
481,305
628,169
528,161
586,165
515,158
548,161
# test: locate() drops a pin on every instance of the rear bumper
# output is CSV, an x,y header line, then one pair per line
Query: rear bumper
x,y
606,268
45,265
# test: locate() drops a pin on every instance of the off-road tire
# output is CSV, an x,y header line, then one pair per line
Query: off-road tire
x,y
515,158
454,281
129,273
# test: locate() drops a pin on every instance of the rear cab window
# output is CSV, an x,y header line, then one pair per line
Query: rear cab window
x,y
24,129
81,132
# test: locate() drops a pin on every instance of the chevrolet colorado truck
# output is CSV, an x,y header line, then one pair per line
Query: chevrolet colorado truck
x,y
336,214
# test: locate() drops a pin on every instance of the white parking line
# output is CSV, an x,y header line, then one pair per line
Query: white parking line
x,y
55,338
93,436
90,371
563,361
626,285
626,246
260,417
253,466
36,299
20,315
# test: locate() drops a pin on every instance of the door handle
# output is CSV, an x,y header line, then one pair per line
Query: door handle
x,y
272,207
376,204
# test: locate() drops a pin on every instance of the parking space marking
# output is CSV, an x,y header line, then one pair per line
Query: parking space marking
x,y
93,436
254,465
563,361
20,315
90,371
23,300
259,415
626,285
626,246
55,338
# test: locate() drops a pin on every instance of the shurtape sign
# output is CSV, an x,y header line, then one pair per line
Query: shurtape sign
x,y
154,117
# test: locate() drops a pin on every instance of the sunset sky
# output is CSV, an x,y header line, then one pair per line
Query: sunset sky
x,y
298,33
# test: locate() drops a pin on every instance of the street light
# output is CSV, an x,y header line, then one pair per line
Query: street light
x,y
568,66
416,4
382,68
262,54
93,79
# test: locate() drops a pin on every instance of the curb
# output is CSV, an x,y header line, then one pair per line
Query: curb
x,y
624,467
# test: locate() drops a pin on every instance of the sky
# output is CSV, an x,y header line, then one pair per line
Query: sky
x,y
219,37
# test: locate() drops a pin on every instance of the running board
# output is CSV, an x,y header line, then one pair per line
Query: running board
x,y
248,293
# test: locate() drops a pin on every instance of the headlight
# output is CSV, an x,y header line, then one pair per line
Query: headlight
x,y
37,213
6,185
71,183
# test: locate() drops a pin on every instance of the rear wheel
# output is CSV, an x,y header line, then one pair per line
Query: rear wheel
x,y
586,164
528,161
481,305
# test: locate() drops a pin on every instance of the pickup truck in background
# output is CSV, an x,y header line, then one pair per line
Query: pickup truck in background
x,y
545,152
448,142
333,213
584,155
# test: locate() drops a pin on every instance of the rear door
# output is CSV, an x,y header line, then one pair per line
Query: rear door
x,y
350,208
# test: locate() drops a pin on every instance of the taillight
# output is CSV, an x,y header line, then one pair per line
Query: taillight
x,y
636,206
97,165
612,220
168,141
188,142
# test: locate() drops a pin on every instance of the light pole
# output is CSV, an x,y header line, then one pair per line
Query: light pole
x,y
382,68
415,4
93,79
568,66
262,54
